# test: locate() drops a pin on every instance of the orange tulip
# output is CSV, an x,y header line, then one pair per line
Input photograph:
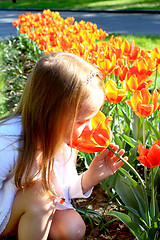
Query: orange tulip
x,y
145,64
134,55
135,82
15,23
140,102
113,94
150,157
155,53
98,138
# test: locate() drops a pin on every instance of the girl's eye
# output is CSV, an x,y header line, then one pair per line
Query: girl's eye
x,y
83,122
80,123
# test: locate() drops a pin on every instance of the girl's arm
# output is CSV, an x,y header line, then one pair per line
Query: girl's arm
x,y
103,165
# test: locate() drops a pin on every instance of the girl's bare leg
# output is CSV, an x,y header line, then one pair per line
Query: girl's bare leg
x,y
67,225
31,214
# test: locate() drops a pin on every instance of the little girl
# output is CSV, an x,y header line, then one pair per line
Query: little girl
x,y
38,176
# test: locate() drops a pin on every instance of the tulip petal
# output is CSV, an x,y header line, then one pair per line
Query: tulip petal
x,y
146,110
150,157
144,84
132,83
142,151
121,93
128,101
157,143
101,136
111,91
100,117
144,161
154,156
145,96
155,100
136,99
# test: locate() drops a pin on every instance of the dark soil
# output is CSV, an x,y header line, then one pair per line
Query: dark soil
x,y
115,230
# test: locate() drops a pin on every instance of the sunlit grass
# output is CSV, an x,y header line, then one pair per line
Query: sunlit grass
x,y
123,4
77,4
2,84
145,42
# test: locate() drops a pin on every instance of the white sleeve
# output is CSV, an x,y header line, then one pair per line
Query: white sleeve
x,y
75,188
7,159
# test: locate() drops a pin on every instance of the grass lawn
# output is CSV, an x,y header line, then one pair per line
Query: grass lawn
x,y
2,84
145,42
87,4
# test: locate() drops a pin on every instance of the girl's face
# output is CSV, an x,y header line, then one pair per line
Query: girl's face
x,y
88,110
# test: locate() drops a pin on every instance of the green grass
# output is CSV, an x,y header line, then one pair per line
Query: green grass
x,y
144,42
87,4
2,84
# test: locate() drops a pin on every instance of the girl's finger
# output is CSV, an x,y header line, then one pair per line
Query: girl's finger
x,y
104,153
116,158
115,148
118,165
121,152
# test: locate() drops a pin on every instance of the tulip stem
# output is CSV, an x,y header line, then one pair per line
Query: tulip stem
x,y
155,81
159,119
144,135
153,195
118,118
144,145
130,166
138,176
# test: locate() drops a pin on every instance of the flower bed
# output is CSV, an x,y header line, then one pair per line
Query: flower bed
x,y
132,100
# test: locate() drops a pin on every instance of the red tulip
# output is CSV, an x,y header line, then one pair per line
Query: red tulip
x,y
150,157
98,138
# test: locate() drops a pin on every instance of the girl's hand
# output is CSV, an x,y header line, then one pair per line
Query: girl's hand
x,y
103,166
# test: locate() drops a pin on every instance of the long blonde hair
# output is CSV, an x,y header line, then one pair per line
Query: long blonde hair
x,y
53,93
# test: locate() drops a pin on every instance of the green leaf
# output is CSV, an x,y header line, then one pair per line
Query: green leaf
x,y
136,229
132,142
126,118
153,231
132,195
136,126
118,141
154,130
127,174
143,210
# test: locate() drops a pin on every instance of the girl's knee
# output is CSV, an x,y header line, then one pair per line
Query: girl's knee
x,y
67,225
76,229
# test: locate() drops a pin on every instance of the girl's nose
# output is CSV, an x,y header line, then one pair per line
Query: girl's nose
x,y
89,126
